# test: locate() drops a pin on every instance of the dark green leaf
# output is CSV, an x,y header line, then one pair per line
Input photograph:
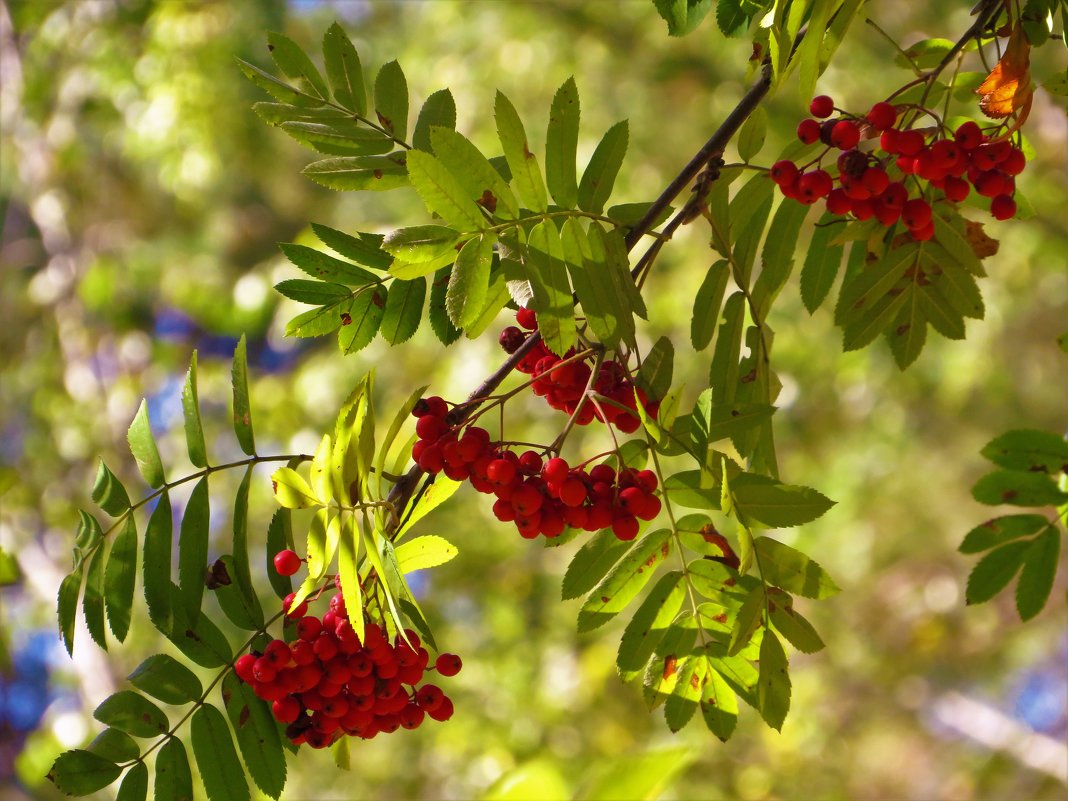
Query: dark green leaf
x,y
547,274
120,576
197,636
561,144
115,745
354,173
878,318
719,705
143,448
630,214
994,572
751,137
242,407
364,248
1000,530
365,317
790,569
404,310
908,334
1039,570
794,627
440,323
1029,450
775,504
657,368
82,772
108,493
442,193
193,546
469,281
599,177
421,243
93,599
279,537
67,607
473,171
686,694
317,293
773,687
132,712
167,679
924,54
625,580
872,283
257,735
592,562
134,785
777,257
682,16
216,757
749,212
391,99
720,421
686,488
344,71
649,623
599,288
238,604
439,111
521,160
242,574
194,431
707,304
295,64
174,782
822,261
326,268
1018,489
156,563
723,373
749,619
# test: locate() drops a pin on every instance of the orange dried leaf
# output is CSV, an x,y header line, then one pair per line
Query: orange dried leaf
x,y
1007,89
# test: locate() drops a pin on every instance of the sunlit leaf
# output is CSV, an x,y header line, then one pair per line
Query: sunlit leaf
x,y
143,447
242,406
625,580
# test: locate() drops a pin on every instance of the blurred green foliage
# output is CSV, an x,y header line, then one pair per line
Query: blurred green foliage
x,y
141,202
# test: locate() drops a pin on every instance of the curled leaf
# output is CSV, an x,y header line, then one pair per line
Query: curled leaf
x,y
1007,89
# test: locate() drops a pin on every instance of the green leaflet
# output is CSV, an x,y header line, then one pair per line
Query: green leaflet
x,y
649,624
295,64
317,293
994,572
89,532
908,334
561,145
440,323
391,100
292,491
238,601
1000,530
115,745
216,757
421,243
193,546
604,302
719,704
808,54
1039,570
591,563
442,193
1018,489
723,373
81,772
822,261
686,694
323,267
775,504
363,248
355,173
657,368
320,321
790,569
134,785
469,281
343,70
242,570
521,161
748,215
789,622
156,564
625,580
132,713
424,552
197,636
364,318
599,177
419,507
348,569
143,448
661,674
194,431
120,576
257,735
1028,450
683,16
439,111
67,607
547,274
777,257
109,493
174,781
242,406
93,597
861,291
167,679
404,310
773,686
752,134
707,303
473,171
278,89
747,622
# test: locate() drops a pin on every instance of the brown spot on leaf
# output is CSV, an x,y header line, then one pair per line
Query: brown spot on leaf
x,y
488,201
721,617
243,716
346,318
981,244
385,122
669,666
274,486
749,377
695,681
218,576
605,599
1008,495
901,330
376,299
377,174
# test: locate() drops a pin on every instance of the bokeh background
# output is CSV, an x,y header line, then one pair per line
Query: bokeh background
x,y
140,205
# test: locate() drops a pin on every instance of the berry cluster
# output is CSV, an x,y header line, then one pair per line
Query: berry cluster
x,y
876,184
327,683
540,497
562,381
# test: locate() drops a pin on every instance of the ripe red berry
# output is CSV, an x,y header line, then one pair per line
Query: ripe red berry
x,y
448,664
889,141
527,319
916,214
821,106
1014,163
909,143
1003,207
291,611
555,470
511,338
243,667
286,710
814,185
882,116
875,180
286,562
572,491
845,135
838,202
969,135
956,189
501,472
625,527
783,172
808,131
442,711
924,233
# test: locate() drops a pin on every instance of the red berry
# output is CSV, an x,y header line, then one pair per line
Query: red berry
x,y
808,131
448,664
875,180
838,202
845,135
956,189
530,462
286,562
527,319
924,233
511,338
909,143
277,652
555,470
814,185
526,500
1003,207
291,611
625,528
889,141
573,491
286,710
969,136
784,172
821,106
442,711
882,116
243,667
916,213
429,697
430,427
1014,163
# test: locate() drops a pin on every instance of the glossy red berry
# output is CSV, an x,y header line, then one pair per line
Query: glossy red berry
x,y
527,319
286,562
1003,207
808,131
448,664
916,214
443,711
625,528
882,116
511,338
784,172
969,135
243,667
821,106
845,135
294,611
